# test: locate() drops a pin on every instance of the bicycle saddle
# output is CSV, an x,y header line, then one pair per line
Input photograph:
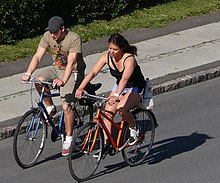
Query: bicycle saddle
x,y
90,88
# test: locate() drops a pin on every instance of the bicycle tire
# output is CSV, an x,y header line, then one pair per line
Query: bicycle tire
x,y
26,149
137,153
82,163
83,114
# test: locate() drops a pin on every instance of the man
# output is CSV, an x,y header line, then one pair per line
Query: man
x,y
67,71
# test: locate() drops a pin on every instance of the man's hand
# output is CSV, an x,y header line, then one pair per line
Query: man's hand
x,y
57,83
26,77
79,93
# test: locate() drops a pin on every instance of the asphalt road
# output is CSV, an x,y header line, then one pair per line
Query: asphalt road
x,y
186,148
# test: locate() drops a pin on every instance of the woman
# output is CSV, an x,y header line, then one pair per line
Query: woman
x,y
130,82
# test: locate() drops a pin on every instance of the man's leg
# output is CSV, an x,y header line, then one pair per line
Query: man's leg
x,y
48,101
47,75
69,119
69,122
68,99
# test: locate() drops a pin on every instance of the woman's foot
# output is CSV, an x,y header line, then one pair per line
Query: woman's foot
x,y
134,134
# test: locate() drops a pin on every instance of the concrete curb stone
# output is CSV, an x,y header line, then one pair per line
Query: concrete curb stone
x,y
186,81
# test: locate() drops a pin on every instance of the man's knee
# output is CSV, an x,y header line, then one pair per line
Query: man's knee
x,y
40,77
66,108
39,85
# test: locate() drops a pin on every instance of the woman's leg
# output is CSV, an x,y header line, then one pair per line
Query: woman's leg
x,y
110,112
128,101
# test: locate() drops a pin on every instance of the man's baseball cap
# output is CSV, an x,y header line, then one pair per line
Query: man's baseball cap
x,y
54,24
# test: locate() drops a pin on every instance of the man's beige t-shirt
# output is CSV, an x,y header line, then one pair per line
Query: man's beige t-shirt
x,y
70,44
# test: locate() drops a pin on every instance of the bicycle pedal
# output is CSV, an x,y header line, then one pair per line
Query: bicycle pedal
x,y
80,124
111,150
105,151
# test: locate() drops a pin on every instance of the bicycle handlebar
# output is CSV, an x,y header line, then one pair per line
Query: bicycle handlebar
x,y
34,80
96,97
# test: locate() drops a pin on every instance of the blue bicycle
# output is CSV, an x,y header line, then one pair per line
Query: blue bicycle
x,y
32,129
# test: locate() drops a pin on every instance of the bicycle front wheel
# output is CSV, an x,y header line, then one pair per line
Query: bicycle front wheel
x,y
29,138
83,114
138,152
86,151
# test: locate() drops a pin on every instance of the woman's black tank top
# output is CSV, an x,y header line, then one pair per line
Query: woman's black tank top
x,y
136,79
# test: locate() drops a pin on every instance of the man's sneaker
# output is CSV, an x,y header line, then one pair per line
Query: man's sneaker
x,y
133,136
51,110
66,148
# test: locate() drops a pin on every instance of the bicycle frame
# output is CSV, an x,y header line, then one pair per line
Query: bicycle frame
x,y
99,120
44,114
43,110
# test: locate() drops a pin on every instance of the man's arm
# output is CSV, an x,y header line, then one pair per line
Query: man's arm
x,y
71,61
34,62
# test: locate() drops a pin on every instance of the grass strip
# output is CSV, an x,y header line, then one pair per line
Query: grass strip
x,y
153,17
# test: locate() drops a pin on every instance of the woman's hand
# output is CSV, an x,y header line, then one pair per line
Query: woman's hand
x,y
79,93
112,100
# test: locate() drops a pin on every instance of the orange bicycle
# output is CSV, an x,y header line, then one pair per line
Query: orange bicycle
x,y
87,147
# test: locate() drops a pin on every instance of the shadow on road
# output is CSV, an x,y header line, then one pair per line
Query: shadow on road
x,y
53,157
164,149
168,148
111,168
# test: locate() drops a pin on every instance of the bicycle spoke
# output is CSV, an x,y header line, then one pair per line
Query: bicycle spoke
x,y
29,139
137,153
86,152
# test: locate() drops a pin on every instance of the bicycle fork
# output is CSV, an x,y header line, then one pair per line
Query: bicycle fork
x,y
88,139
31,126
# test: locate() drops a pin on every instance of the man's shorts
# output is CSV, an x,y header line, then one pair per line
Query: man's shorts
x,y
67,92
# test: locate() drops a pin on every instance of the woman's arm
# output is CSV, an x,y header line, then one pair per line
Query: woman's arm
x,y
94,71
129,66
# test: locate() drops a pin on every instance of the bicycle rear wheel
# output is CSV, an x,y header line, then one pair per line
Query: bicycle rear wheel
x,y
137,153
86,151
29,138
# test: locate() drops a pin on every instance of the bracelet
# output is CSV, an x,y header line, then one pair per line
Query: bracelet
x,y
116,95
27,74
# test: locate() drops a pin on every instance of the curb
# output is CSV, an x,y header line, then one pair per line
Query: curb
x,y
163,87
186,80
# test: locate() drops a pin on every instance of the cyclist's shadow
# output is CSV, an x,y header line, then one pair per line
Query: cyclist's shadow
x,y
166,149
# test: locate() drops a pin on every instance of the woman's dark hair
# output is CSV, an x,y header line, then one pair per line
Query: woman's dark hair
x,y
121,42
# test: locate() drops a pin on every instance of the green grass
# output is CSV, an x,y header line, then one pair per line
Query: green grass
x,y
157,16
